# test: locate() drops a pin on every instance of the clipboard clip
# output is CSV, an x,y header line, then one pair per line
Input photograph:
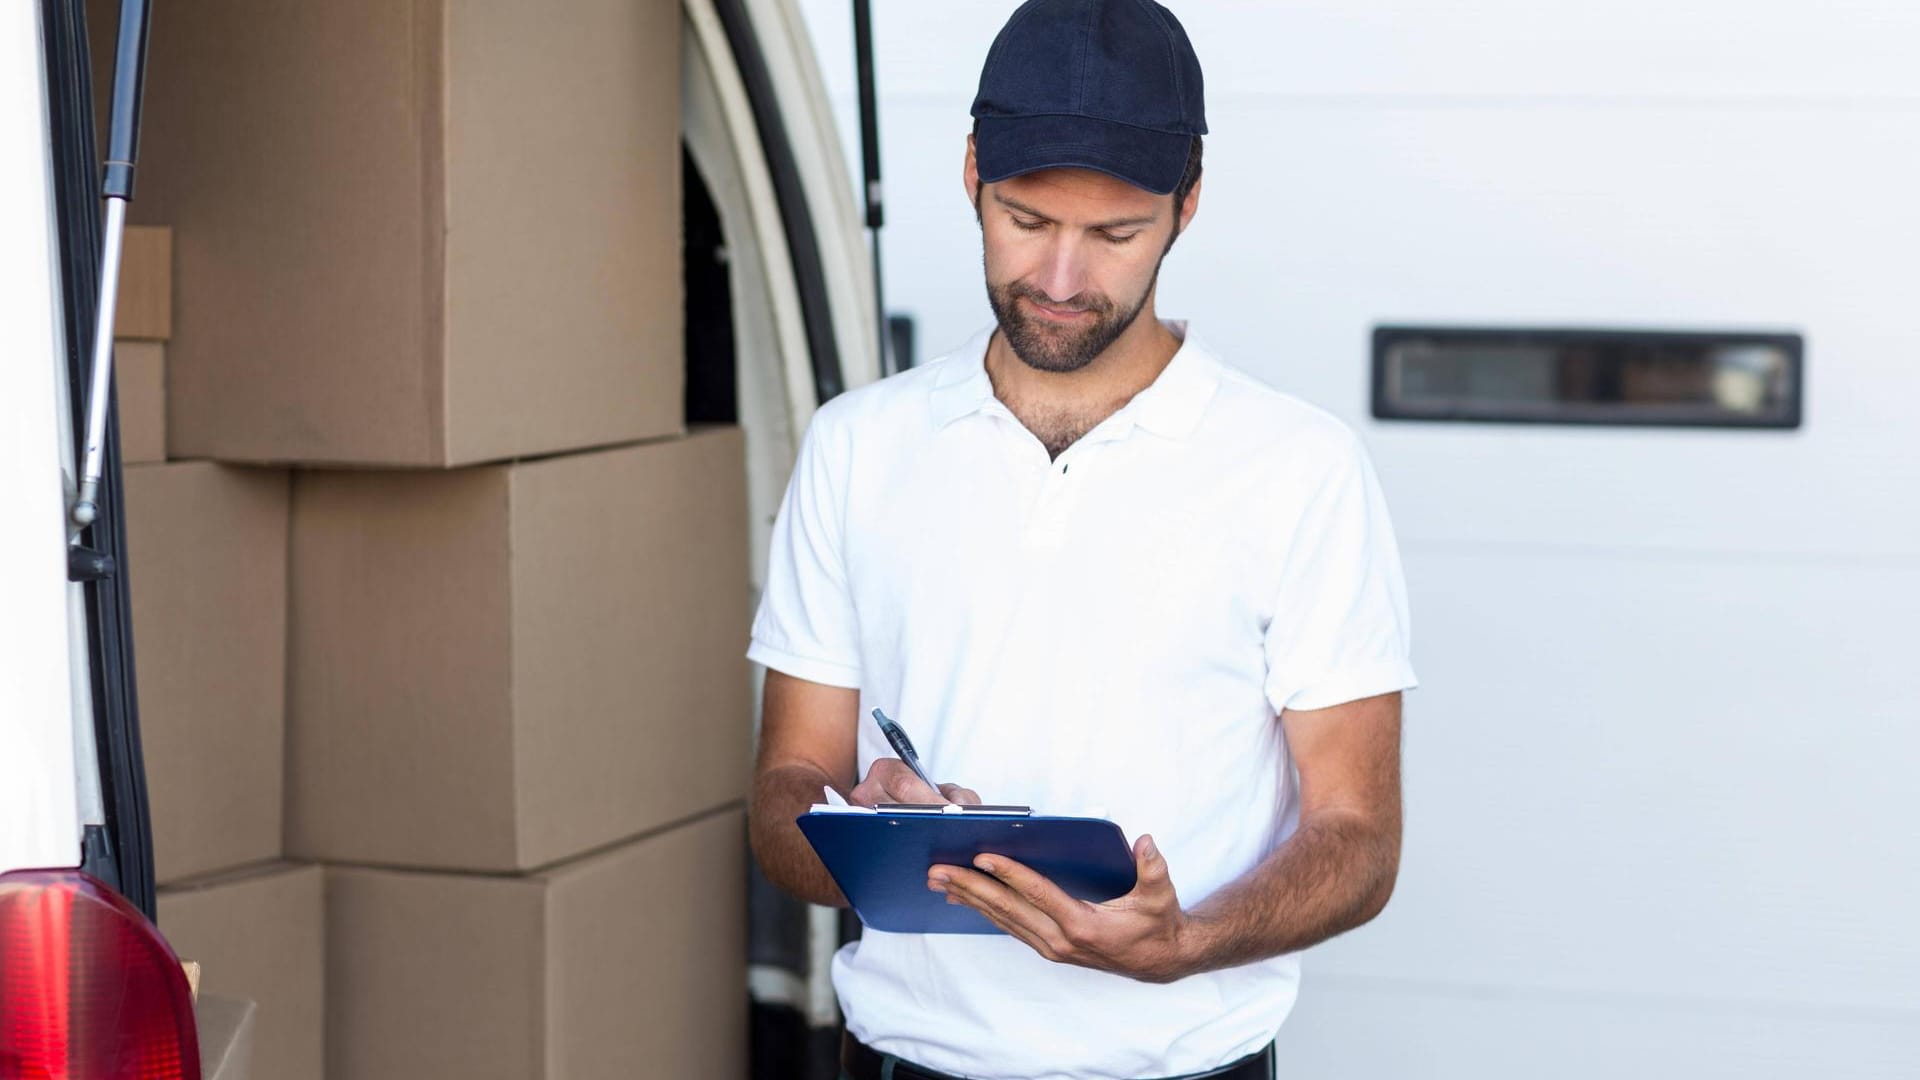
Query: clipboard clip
x,y
954,808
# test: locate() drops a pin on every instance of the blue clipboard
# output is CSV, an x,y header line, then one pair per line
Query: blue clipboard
x,y
880,861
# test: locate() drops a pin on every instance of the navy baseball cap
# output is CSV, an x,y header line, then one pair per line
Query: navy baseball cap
x,y
1111,85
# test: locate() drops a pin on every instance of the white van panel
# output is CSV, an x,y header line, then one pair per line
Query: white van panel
x,y
1318,223
1656,774
1346,1027
818,157
39,811
1629,48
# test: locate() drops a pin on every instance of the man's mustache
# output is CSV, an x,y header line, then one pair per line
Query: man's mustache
x,y
1096,304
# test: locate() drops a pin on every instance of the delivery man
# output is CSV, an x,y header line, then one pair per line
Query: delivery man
x,y
1091,568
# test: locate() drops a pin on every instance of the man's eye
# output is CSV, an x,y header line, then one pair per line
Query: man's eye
x,y
1029,226
1115,238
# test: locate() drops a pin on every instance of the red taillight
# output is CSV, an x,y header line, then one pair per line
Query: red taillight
x,y
88,988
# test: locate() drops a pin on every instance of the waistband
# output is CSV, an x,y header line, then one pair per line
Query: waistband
x,y
858,1061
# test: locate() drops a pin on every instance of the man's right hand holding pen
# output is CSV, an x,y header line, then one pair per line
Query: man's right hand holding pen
x,y
902,779
891,781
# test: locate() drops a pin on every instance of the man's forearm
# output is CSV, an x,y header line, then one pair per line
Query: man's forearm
x,y
1333,874
779,796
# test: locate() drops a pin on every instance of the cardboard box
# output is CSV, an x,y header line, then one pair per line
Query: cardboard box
x,y
140,376
207,570
226,1037
501,667
259,934
144,309
418,233
628,963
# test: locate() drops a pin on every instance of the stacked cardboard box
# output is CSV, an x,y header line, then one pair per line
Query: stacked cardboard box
x,y
626,963
207,570
257,934
416,232
439,243
529,668
226,1036
501,667
207,576
143,319
144,309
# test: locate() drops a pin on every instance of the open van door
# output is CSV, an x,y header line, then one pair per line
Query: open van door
x,y
88,987
775,256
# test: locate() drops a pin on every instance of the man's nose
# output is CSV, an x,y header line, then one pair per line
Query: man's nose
x,y
1065,274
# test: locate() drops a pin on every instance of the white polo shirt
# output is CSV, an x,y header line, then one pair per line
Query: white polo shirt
x,y
1109,633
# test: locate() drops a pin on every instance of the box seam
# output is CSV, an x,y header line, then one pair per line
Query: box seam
x,y
430,29
515,729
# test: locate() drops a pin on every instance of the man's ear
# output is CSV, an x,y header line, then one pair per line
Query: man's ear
x,y
970,177
1192,205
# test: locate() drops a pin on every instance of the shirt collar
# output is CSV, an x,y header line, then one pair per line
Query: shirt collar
x,y
1171,405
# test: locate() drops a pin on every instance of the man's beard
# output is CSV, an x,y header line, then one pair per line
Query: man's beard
x,y
1061,347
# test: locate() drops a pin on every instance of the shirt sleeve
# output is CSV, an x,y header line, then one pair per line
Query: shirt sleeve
x,y
805,626
1341,629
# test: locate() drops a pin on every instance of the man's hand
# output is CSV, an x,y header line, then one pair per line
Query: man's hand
x,y
1142,935
892,781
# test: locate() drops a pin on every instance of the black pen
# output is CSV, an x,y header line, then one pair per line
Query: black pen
x,y
903,746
